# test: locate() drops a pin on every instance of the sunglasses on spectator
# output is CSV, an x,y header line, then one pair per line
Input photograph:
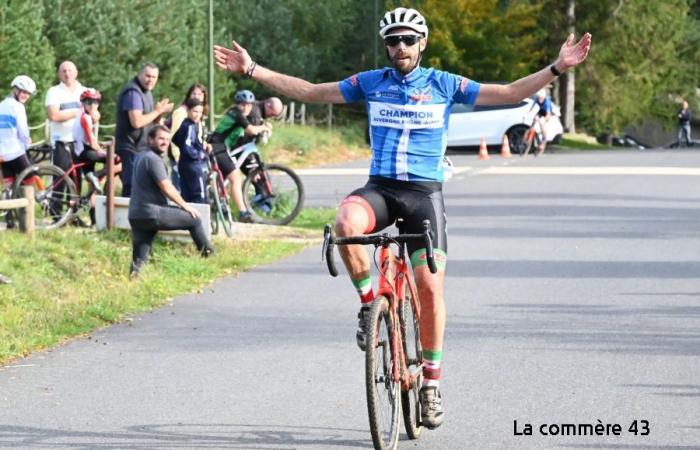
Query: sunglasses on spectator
x,y
408,39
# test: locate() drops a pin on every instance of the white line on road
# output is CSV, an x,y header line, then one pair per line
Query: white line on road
x,y
354,171
511,170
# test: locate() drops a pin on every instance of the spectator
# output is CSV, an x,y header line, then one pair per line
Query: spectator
x,y
62,107
233,129
192,163
684,117
87,146
136,114
199,92
149,211
14,132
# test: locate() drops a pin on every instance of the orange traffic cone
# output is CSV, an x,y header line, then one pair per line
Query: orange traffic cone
x,y
505,147
483,151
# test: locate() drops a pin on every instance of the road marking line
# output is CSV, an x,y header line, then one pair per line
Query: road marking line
x,y
355,171
511,170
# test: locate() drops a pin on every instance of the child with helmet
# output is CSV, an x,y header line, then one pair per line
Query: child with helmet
x,y
14,131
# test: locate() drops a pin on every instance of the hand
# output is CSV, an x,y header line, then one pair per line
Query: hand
x,y
96,116
571,55
235,59
164,106
193,212
208,147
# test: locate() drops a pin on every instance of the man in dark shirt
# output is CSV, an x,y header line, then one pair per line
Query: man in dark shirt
x,y
149,211
684,125
136,113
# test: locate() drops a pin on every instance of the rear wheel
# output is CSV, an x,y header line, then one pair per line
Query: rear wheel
x,y
226,216
410,403
383,392
54,207
273,194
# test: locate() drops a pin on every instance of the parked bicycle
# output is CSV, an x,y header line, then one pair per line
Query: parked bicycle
x,y
273,193
393,358
219,200
61,196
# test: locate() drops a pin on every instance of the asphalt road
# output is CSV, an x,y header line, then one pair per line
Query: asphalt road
x,y
573,298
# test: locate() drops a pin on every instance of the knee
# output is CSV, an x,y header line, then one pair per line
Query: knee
x,y
349,224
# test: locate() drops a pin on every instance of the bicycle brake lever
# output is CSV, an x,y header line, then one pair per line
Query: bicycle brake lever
x,y
327,249
429,254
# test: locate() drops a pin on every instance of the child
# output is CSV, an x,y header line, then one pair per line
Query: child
x,y
192,165
87,148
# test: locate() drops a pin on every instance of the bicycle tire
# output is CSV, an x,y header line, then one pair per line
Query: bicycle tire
x,y
410,403
226,215
530,136
279,196
49,215
214,208
383,392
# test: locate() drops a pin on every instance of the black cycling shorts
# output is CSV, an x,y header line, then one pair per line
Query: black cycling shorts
x,y
412,201
223,160
12,169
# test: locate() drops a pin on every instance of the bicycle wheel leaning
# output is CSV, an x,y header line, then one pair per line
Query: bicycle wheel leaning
x,y
383,392
221,211
274,194
53,207
410,403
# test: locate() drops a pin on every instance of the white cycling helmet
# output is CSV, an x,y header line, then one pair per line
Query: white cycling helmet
x,y
542,93
24,83
403,18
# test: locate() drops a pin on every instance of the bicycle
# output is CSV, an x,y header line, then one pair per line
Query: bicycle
x,y
533,137
219,199
393,361
273,193
58,195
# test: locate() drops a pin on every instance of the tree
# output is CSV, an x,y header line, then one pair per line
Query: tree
x,y
25,50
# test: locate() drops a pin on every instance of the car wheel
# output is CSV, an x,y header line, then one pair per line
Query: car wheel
x,y
516,139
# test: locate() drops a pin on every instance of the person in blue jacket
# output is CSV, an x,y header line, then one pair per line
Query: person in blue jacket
x,y
192,164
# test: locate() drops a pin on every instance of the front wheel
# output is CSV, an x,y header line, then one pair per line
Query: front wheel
x,y
383,391
410,403
516,139
274,194
56,197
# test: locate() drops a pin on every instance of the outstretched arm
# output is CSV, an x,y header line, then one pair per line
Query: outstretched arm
x,y
237,60
570,55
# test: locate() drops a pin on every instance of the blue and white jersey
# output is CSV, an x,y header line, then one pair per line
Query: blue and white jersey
x,y
14,133
408,118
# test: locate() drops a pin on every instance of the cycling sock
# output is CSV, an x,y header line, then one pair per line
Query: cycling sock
x,y
431,367
364,289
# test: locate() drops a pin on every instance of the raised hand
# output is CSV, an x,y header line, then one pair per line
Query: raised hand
x,y
235,59
571,55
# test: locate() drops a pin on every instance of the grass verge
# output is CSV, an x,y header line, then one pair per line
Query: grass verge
x,y
68,282
579,142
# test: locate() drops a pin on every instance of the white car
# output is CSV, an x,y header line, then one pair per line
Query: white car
x,y
468,124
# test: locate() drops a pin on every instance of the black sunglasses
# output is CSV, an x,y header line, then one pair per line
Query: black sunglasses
x,y
408,39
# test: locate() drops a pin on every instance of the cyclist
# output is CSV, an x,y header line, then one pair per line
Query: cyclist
x,y
14,131
233,131
544,113
408,109
87,148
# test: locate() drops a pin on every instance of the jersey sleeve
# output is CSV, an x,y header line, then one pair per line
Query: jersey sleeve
x,y
156,168
465,90
86,125
351,88
132,101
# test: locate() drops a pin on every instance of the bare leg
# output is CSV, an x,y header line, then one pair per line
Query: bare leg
x,y
352,220
235,179
433,312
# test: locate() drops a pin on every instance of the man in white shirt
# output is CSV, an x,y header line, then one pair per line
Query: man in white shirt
x,y
62,108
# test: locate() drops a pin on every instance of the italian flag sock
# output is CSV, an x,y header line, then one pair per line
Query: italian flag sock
x,y
431,367
364,289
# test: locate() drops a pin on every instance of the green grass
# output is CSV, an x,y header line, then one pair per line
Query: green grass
x,y
579,144
68,282
314,218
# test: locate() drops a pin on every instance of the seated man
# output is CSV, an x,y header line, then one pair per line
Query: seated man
x,y
148,208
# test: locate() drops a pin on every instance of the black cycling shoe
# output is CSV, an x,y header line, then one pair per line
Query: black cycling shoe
x,y
362,326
